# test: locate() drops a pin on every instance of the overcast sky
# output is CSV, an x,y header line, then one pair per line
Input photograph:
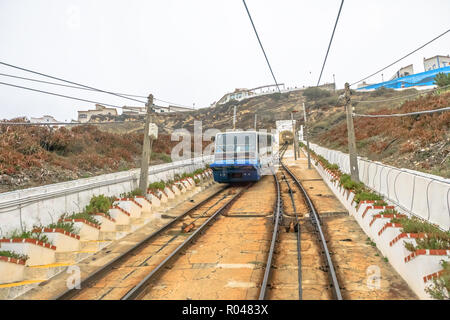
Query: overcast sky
x,y
195,51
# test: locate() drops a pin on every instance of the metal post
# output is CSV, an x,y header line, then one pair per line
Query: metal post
x,y
334,81
234,118
306,135
255,121
146,149
293,131
351,136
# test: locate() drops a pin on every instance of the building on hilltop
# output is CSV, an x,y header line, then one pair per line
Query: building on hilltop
x,y
85,116
436,62
43,119
403,72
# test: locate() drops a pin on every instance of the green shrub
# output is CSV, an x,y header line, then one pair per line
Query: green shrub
x,y
98,204
314,93
416,225
132,194
157,185
442,79
388,211
11,254
65,225
83,215
187,175
440,289
29,235
364,195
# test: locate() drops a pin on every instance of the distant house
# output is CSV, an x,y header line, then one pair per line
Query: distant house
x,y
134,111
85,116
43,119
161,109
436,62
238,94
403,72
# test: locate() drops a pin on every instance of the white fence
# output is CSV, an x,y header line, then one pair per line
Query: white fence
x,y
420,194
22,209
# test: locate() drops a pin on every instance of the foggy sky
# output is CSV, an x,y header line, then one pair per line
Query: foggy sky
x,y
195,51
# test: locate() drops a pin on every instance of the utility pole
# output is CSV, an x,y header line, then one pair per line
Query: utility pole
x,y
234,118
351,136
305,133
334,81
146,148
293,131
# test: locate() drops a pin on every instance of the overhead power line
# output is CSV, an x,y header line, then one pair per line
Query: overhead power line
x,y
398,60
400,114
61,95
65,123
71,82
262,48
88,89
331,40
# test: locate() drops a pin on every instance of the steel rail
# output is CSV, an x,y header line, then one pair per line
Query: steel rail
x,y
140,289
316,222
277,217
105,269
299,244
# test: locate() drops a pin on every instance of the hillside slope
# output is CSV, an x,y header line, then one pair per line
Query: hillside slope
x,y
32,156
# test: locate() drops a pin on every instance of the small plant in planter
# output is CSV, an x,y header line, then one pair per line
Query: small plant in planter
x,y
16,234
135,193
157,185
98,204
388,211
65,225
82,215
198,171
11,254
440,289
196,180
349,184
367,195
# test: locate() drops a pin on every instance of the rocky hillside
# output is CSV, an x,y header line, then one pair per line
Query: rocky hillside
x,y
31,156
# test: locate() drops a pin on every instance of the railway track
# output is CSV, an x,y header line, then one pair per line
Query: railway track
x,y
133,265
145,271
302,224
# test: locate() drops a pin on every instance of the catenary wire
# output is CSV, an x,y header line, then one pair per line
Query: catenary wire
x,y
407,55
262,48
88,89
331,40
400,114
71,82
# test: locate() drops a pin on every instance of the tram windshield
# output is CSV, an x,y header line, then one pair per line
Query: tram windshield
x,y
232,145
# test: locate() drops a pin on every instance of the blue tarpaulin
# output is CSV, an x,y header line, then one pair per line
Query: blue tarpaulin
x,y
419,79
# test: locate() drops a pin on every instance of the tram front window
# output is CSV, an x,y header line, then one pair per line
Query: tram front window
x,y
230,146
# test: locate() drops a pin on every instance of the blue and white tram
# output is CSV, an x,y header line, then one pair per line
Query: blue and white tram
x,y
242,156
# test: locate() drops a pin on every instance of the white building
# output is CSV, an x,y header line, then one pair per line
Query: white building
x,y
85,116
161,109
238,94
403,72
43,119
436,62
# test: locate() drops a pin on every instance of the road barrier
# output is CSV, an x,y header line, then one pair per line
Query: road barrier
x,y
22,209
423,195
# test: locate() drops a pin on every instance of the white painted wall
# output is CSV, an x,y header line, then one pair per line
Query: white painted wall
x,y
424,195
22,209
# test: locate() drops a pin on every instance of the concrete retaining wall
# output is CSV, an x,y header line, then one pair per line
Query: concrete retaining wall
x,y
415,268
43,205
420,194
